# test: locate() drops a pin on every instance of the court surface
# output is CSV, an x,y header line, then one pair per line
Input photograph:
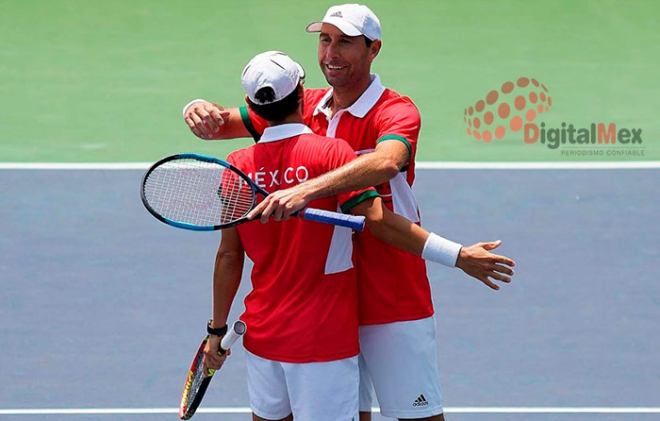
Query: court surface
x,y
103,306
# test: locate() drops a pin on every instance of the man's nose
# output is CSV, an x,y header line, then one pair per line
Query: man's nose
x,y
332,51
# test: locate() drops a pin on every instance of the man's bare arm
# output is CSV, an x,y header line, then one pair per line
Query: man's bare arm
x,y
368,170
476,260
227,274
210,121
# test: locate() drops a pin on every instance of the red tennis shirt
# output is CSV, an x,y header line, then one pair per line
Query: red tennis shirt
x,y
303,304
393,285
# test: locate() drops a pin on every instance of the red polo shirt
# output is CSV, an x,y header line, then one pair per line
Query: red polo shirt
x,y
303,306
393,285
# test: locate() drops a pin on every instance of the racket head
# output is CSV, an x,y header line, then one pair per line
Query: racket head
x,y
197,192
196,384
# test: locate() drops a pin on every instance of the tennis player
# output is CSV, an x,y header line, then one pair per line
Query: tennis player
x,y
303,309
397,333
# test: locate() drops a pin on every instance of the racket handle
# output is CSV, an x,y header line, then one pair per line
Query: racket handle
x,y
334,218
237,330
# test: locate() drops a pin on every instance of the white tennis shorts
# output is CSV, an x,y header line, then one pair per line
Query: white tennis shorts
x,y
399,362
324,391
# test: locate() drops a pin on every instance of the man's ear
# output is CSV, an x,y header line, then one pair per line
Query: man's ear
x,y
374,48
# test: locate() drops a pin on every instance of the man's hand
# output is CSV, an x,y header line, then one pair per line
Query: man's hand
x,y
212,359
478,262
205,118
281,204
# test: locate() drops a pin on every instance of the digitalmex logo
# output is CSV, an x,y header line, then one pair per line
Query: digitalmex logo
x,y
506,110
516,107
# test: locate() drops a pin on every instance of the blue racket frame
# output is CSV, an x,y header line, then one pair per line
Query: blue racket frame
x,y
354,222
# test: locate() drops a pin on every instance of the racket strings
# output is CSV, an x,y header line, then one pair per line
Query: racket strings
x,y
197,380
237,196
198,192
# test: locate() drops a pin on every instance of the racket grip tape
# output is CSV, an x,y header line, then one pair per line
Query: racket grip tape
x,y
334,218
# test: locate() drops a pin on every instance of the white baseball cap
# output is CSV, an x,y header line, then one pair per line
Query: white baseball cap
x,y
351,19
272,69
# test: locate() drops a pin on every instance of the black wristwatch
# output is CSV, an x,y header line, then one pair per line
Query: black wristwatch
x,y
221,331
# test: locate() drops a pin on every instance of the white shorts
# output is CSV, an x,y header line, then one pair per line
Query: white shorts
x,y
325,391
399,362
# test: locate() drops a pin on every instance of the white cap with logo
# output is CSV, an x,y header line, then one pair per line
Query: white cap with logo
x,y
352,19
272,69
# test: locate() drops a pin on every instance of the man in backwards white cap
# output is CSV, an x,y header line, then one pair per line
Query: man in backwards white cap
x,y
397,333
302,340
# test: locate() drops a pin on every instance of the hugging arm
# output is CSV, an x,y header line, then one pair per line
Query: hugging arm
x,y
210,121
476,260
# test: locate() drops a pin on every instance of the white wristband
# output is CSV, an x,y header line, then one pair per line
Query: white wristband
x,y
440,250
191,103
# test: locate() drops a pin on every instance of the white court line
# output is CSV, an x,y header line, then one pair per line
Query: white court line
x,y
536,165
73,166
423,165
246,410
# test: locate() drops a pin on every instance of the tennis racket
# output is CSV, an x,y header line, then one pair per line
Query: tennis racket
x,y
197,381
203,193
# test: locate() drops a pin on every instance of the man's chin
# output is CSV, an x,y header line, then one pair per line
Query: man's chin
x,y
335,81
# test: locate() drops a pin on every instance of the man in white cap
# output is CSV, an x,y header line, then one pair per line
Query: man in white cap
x,y
302,341
302,344
397,324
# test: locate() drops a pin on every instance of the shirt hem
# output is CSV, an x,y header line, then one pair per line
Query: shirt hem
x,y
394,319
305,359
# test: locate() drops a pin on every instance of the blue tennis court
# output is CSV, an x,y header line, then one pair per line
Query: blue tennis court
x,y
103,306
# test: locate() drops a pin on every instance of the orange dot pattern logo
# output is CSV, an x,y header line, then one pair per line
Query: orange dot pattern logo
x,y
506,110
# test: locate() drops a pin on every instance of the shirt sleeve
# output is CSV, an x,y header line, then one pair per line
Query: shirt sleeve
x,y
253,123
400,121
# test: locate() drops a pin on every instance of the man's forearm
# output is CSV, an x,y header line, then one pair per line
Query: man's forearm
x,y
226,280
367,171
211,121
399,232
